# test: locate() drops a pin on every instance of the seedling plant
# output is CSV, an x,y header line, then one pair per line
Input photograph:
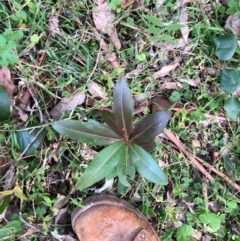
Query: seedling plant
x,y
127,148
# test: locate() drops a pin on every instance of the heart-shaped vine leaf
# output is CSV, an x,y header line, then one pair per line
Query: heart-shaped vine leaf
x,y
123,107
4,105
232,107
146,165
150,126
126,168
91,132
102,164
109,119
230,80
225,46
32,137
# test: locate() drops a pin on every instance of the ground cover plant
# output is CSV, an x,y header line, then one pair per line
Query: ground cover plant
x,y
63,62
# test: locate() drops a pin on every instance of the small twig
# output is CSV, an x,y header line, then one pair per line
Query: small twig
x,y
95,66
196,162
37,105
28,224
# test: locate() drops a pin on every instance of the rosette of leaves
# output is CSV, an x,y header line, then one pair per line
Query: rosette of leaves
x,y
127,148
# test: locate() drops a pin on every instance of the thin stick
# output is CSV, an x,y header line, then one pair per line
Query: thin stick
x,y
196,162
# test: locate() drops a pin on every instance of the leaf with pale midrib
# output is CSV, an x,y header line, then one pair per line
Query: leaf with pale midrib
x,y
123,107
146,165
102,164
150,126
93,132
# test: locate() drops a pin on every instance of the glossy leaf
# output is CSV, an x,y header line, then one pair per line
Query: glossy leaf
x,y
126,168
103,163
91,132
4,105
123,107
232,107
225,46
25,137
150,126
109,119
146,165
230,80
148,145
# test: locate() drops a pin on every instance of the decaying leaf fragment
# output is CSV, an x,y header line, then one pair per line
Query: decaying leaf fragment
x,y
67,104
95,91
233,24
165,70
126,3
53,25
183,18
6,81
103,19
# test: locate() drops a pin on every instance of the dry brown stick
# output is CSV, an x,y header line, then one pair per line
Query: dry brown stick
x,y
196,162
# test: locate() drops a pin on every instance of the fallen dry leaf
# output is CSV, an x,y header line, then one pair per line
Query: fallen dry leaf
x,y
141,107
191,82
95,90
160,2
171,85
183,18
6,81
233,24
126,3
110,57
67,104
87,152
103,19
53,25
135,72
161,103
165,70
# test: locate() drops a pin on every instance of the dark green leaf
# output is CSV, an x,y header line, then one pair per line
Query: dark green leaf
x,y
102,164
232,107
146,165
225,46
148,145
86,132
25,137
150,126
230,80
126,168
121,188
123,107
109,119
4,105
113,173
